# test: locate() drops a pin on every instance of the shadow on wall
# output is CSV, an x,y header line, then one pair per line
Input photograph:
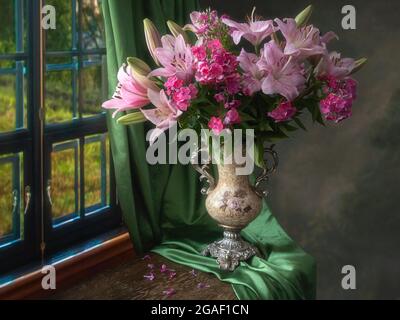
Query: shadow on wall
x,y
337,189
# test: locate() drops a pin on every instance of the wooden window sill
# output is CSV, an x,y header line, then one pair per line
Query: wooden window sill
x,y
70,270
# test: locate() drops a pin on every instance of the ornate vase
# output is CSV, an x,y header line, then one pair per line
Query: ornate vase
x,y
233,202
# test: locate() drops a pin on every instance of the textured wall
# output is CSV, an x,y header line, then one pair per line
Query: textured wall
x,y
337,190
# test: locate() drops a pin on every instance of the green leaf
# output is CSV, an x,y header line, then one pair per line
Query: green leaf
x,y
289,128
246,117
313,107
265,126
132,118
300,124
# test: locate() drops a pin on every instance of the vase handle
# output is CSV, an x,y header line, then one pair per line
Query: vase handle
x,y
204,170
264,177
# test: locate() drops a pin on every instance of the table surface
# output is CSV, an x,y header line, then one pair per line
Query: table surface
x,y
127,282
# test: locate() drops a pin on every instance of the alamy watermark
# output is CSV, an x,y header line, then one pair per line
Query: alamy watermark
x,y
188,147
349,280
49,278
349,19
49,17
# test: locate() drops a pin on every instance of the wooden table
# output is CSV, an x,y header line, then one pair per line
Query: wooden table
x,y
126,281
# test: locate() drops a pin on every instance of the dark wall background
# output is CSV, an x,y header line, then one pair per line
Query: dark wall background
x,y
337,190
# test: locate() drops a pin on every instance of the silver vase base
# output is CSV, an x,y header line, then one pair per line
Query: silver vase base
x,y
230,250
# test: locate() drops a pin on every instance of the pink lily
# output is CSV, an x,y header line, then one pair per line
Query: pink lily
x,y
283,74
255,31
333,65
163,116
301,42
176,57
253,76
129,94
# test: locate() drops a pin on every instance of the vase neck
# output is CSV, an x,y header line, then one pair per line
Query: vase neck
x,y
227,172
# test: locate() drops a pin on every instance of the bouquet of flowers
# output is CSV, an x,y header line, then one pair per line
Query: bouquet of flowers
x,y
218,73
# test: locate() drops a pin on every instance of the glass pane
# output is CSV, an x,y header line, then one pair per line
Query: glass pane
x,y
92,25
64,185
96,172
11,217
64,37
60,93
12,96
13,26
7,31
94,85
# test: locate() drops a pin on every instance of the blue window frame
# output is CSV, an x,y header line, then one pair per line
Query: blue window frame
x,y
11,167
57,185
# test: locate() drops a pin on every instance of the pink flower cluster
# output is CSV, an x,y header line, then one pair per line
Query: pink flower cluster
x,y
337,105
204,22
281,68
284,112
218,68
181,95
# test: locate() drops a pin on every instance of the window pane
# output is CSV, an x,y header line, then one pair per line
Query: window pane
x,y
7,33
96,172
92,25
12,96
11,217
64,37
64,187
13,25
94,85
60,93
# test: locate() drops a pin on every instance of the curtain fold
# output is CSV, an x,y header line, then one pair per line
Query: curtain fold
x,y
162,205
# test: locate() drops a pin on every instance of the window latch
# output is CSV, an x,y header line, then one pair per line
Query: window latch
x,y
15,201
28,196
48,190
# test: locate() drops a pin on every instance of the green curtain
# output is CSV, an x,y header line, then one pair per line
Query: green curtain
x,y
162,205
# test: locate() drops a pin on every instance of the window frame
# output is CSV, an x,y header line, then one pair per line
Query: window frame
x,y
40,239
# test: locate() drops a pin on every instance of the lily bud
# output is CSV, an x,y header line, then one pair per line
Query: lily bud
x,y
132,118
303,17
140,71
359,64
138,66
153,39
176,30
189,27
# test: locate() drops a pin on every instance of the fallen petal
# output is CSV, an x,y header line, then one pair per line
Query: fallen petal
x,y
169,292
151,276
193,273
202,285
171,275
165,269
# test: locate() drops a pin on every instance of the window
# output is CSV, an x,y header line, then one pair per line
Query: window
x,y
56,184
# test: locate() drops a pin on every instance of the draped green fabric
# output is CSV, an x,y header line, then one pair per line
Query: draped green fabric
x,y
162,205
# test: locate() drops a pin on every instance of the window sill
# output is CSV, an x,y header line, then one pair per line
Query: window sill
x,y
71,267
